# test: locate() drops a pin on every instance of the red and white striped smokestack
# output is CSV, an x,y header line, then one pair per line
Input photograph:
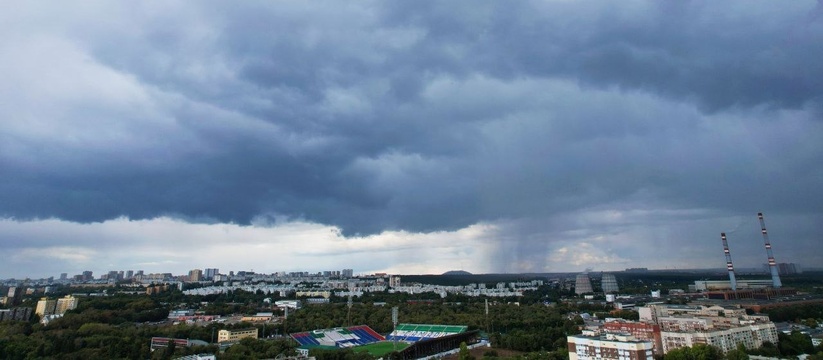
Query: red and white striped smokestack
x,y
772,264
729,265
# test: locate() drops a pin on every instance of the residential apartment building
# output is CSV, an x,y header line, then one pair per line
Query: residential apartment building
x,y
15,296
592,346
45,307
195,275
65,304
640,331
15,314
722,326
751,336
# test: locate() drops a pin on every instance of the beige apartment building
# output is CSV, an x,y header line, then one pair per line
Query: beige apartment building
x,y
45,307
590,346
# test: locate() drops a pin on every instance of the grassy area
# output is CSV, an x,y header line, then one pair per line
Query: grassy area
x,y
381,348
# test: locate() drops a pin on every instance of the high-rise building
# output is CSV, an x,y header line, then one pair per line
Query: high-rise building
x,y
195,275
210,272
609,283
15,296
64,276
15,314
45,307
582,284
129,274
347,273
113,276
87,275
65,304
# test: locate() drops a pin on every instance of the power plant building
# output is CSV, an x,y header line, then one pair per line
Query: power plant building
x,y
609,283
582,284
735,289
710,285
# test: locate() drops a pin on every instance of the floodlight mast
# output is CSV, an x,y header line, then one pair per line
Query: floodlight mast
x,y
349,303
394,321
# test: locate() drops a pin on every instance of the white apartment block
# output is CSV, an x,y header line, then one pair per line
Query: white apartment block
x,y
721,326
751,336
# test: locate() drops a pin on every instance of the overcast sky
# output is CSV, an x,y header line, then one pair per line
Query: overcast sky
x,y
408,137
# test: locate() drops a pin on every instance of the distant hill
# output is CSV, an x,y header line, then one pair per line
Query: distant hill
x,y
457,272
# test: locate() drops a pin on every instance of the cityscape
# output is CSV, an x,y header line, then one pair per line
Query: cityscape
x,y
636,313
419,180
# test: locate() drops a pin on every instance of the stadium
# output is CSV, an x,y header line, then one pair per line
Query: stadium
x,y
412,341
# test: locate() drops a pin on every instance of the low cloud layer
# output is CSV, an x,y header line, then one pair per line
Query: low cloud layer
x,y
544,136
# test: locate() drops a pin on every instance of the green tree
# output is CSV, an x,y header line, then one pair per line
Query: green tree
x,y
683,353
697,352
706,352
464,352
738,354
170,350
794,344
767,349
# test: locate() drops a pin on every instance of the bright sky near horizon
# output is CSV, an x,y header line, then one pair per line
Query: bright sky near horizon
x,y
408,137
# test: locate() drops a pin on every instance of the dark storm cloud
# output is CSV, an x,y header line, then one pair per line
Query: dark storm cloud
x,y
432,116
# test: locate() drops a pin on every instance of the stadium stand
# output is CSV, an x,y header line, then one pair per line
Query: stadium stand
x,y
338,337
417,332
431,347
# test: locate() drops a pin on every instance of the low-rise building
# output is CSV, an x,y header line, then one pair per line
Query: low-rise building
x,y
198,357
235,335
258,317
162,342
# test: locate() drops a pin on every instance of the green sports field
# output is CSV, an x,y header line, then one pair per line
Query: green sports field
x,y
381,348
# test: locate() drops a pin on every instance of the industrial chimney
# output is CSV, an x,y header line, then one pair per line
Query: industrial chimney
x,y
772,264
729,265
